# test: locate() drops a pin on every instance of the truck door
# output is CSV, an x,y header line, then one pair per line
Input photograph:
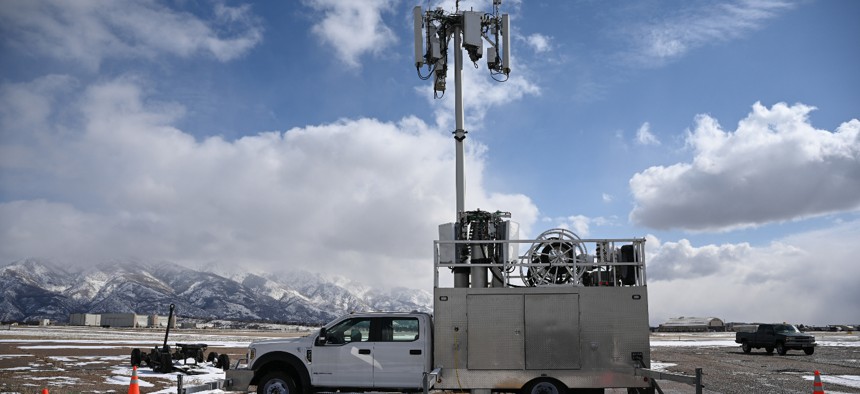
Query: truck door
x,y
399,353
346,359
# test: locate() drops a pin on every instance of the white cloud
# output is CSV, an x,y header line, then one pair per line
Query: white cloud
x,y
116,179
607,198
644,135
782,281
694,26
538,42
353,28
88,32
774,167
480,93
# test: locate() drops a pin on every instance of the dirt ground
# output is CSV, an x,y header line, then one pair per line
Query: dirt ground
x,y
77,360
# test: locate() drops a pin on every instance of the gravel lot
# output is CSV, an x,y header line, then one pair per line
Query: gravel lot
x,y
89,360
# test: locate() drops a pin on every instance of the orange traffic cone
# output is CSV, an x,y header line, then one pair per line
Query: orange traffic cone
x,y
134,388
817,387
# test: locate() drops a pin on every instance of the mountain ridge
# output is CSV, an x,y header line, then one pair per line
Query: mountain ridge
x,y
34,289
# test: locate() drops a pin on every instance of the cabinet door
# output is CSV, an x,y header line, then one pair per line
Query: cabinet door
x,y
552,331
495,338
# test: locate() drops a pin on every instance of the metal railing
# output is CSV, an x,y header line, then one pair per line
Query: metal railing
x,y
546,262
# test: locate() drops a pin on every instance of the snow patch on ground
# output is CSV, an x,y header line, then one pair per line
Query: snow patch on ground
x,y
842,380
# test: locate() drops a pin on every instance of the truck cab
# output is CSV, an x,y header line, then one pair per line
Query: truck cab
x,y
358,352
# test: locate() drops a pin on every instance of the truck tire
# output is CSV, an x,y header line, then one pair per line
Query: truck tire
x,y
212,357
780,349
544,386
769,350
276,383
745,346
809,350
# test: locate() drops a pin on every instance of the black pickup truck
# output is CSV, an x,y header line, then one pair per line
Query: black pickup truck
x,y
782,337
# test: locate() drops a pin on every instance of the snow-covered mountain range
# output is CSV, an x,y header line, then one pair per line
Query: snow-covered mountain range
x,y
32,289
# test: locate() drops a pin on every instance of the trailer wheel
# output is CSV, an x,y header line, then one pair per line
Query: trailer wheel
x,y
213,356
544,386
223,362
136,358
780,349
809,350
166,363
276,383
745,346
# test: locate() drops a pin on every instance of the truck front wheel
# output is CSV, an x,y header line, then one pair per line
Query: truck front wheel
x,y
276,383
809,350
746,347
544,386
780,349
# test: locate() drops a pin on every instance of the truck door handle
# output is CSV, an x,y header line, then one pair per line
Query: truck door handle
x,y
415,351
363,351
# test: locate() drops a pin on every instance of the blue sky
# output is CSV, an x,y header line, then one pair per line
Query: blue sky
x,y
280,135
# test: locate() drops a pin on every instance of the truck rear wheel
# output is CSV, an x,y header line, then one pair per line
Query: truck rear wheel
x,y
276,383
544,386
746,347
780,349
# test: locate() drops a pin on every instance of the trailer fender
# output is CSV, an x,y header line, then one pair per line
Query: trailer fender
x,y
283,361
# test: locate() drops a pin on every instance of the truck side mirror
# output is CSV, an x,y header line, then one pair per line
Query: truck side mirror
x,y
321,339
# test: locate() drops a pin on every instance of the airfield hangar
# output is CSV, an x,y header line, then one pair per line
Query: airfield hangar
x,y
692,324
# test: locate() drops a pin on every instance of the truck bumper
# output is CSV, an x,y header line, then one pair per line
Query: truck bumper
x,y
238,379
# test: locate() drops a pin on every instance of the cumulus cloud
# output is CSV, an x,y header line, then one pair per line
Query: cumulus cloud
x,y
644,135
117,179
538,42
740,282
774,167
353,28
88,32
693,26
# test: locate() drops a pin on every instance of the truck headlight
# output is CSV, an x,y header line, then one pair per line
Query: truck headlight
x,y
252,352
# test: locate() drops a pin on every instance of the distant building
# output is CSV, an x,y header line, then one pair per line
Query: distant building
x,y
85,319
156,321
124,320
692,324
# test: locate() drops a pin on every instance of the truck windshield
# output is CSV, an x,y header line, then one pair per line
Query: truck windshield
x,y
785,328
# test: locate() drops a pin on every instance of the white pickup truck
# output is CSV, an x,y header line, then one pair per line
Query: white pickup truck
x,y
363,351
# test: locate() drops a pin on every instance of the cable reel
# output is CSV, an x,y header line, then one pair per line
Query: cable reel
x,y
557,252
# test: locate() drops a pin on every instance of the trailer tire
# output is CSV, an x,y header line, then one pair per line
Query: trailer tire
x,y
223,362
212,357
544,386
745,346
136,358
166,365
276,382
